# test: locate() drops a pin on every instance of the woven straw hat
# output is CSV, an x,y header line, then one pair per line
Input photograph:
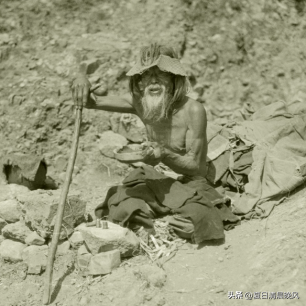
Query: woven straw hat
x,y
163,57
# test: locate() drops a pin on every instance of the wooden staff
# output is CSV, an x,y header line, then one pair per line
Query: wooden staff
x,y
61,207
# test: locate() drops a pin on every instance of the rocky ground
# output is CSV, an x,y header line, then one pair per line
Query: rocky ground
x,y
238,54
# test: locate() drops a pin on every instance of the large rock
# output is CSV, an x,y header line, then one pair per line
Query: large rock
x,y
110,141
16,231
40,208
11,250
115,237
36,258
25,169
3,223
63,247
76,239
10,191
34,239
104,263
10,210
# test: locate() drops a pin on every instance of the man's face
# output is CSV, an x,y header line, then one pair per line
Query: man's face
x,y
157,89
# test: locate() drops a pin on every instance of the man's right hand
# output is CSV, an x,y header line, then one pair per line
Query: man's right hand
x,y
80,91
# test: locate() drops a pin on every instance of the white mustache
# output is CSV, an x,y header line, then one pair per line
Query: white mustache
x,y
153,87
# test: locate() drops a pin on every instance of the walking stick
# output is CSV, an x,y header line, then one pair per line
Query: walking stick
x,y
61,206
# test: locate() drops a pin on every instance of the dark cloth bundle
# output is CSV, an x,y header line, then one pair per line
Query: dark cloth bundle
x,y
147,194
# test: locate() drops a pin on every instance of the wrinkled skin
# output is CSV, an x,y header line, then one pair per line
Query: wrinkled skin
x,y
80,91
179,141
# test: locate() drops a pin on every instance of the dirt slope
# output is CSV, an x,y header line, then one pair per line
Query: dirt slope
x,y
235,52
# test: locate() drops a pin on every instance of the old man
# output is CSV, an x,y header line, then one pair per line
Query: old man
x,y
176,130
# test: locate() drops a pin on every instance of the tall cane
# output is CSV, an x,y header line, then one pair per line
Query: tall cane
x,y
61,206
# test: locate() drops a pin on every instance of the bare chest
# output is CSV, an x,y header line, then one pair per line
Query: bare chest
x,y
170,133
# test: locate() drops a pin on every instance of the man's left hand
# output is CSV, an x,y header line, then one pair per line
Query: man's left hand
x,y
153,153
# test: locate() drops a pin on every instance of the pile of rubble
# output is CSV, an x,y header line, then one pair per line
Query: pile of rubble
x,y
27,221
26,225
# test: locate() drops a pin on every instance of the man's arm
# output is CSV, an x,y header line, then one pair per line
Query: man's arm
x,y
111,103
83,96
191,163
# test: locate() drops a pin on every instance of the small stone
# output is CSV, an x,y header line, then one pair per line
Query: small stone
x,y
101,91
63,248
11,250
4,38
36,258
84,300
220,259
62,43
94,79
115,237
76,170
3,223
83,250
16,231
62,176
34,239
153,275
60,163
76,240
218,287
104,263
83,259
10,210
226,247
83,224
294,21
199,89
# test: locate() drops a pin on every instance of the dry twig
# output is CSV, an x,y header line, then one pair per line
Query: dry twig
x,y
162,246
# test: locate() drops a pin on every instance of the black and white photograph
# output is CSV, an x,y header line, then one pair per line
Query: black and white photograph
x,y
152,152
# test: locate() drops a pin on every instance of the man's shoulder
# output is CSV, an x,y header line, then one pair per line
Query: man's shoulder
x,y
194,107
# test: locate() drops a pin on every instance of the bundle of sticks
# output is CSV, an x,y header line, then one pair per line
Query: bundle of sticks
x,y
163,245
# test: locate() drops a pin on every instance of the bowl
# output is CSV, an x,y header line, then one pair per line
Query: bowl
x,y
129,154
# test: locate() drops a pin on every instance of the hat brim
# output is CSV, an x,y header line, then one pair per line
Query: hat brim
x,y
164,63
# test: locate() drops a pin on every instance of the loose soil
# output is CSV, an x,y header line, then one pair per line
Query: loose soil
x,y
236,53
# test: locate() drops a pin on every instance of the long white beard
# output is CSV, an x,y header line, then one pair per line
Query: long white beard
x,y
155,105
